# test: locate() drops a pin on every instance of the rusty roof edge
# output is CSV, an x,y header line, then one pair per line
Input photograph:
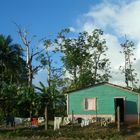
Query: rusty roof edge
x,y
90,86
123,88
103,83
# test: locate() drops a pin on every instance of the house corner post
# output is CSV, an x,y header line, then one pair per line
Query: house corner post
x,y
67,102
138,109
118,118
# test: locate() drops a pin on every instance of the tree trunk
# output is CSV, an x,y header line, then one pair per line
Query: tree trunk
x,y
95,74
29,65
97,59
30,76
126,74
46,117
75,77
49,74
130,67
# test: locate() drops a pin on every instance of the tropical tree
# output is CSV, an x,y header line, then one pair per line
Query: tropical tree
x,y
30,53
50,92
128,70
54,100
12,73
8,99
84,57
101,64
31,102
12,68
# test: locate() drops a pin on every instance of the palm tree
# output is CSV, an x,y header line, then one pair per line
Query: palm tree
x,y
12,69
31,101
52,97
12,65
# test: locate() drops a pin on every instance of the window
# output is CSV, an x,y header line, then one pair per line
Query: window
x,y
90,103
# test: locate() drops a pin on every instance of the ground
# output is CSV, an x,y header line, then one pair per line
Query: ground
x,y
73,132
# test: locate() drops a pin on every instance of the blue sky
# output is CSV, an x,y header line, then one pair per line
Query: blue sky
x,y
45,18
41,17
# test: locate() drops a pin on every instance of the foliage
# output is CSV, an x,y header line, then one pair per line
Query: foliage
x,y
83,63
84,57
30,53
13,73
31,101
12,65
54,100
51,93
128,70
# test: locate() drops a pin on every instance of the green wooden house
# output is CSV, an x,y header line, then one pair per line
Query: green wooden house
x,y
102,101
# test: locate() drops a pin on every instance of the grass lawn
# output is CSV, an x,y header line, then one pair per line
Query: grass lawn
x,y
92,132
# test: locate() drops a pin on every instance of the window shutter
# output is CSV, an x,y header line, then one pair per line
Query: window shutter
x,y
90,103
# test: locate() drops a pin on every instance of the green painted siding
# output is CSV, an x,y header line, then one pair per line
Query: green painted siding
x,y
105,100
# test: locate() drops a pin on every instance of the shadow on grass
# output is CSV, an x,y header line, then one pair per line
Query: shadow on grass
x,y
130,130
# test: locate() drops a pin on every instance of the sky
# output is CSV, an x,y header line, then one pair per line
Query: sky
x,y
45,18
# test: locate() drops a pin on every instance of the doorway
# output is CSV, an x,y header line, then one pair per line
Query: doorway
x,y
119,102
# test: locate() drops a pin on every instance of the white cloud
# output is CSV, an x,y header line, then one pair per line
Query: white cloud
x,y
116,20
89,27
72,29
116,58
101,14
128,20
123,18
113,50
138,51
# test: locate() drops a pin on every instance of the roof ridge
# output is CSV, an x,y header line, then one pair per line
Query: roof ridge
x,y
98,84
125,88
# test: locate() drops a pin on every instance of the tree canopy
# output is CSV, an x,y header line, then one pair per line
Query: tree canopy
x,y
82,62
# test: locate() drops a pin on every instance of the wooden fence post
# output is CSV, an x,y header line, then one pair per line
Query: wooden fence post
x,y
72,117
118,118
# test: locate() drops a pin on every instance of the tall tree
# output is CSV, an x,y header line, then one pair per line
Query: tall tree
x,y
30,53
12,73
98,48
84,57
75,56
50,92
31,102
12,64
127,69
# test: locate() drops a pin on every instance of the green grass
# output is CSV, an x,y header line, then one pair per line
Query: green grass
x,y
69,132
